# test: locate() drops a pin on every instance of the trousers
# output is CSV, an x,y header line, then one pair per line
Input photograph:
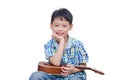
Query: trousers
x,y
39,75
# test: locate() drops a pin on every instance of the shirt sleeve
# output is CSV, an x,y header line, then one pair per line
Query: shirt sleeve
x,y
48,53
48,50
83,56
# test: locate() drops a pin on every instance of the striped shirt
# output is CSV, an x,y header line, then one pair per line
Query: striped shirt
x,y
73,54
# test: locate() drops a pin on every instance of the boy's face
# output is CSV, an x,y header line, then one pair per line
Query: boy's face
x,y
61,27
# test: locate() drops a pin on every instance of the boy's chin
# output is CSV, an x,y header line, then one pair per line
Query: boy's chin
x,y
61,35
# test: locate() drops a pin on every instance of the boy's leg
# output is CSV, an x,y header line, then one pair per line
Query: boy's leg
x,y
39,75
78,77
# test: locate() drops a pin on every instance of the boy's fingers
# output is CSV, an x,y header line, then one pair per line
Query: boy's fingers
x,y
65,68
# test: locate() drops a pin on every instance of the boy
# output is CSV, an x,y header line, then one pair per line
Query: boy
x,y
63,49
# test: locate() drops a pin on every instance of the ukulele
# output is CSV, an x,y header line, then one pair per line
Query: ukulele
x,y
56,70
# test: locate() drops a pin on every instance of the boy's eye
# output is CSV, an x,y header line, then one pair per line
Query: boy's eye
x,y
64,26
56,25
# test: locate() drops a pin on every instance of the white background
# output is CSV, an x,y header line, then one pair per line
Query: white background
x,y
24,28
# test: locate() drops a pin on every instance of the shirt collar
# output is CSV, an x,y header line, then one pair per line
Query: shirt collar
x,y
69,43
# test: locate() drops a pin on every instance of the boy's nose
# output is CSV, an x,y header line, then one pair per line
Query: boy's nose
x,y
60,28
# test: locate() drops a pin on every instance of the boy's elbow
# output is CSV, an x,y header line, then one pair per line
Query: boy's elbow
x,y
54,62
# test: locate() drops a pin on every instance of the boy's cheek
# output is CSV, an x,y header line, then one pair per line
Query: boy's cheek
x,y
54,29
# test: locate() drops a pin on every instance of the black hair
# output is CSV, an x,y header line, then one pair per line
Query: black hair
x,y
62,13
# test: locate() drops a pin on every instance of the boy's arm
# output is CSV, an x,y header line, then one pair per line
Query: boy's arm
x,y
55,60
70,69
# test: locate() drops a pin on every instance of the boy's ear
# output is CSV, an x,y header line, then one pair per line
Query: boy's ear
x,y
71,26
50,26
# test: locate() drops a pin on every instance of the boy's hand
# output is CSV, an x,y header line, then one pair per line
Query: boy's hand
x,y
57,37
67,70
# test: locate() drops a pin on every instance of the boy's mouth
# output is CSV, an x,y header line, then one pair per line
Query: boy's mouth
x,y
60,34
